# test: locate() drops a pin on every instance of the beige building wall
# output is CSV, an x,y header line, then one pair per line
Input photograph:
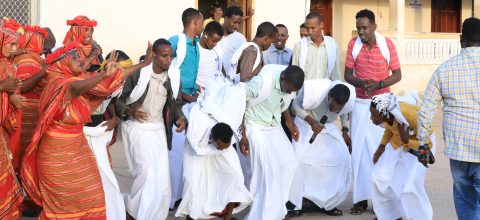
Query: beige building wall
x,y
122,24
288,12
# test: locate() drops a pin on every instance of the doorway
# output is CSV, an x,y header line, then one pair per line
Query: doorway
x,y
204,6
324,7
446,16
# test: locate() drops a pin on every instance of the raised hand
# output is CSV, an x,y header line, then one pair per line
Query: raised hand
x,y
149,54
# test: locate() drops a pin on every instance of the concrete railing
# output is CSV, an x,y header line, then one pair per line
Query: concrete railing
x,y
430,51
425,48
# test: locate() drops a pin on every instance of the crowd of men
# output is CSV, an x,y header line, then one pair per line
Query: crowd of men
x,y
212,123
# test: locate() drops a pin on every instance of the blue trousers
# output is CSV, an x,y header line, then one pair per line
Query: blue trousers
x,y
466,189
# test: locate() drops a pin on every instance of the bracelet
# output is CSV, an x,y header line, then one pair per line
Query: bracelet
x,y
345,129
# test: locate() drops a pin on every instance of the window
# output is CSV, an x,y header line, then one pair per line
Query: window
x,y
19,10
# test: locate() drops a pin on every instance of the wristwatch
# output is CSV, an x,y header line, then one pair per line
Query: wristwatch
x,y
344,129
382,84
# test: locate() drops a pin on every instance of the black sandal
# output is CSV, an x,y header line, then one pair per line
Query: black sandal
x,y
334,212
358,208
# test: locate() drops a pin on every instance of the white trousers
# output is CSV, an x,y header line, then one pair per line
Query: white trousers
x,y
147,156
98,139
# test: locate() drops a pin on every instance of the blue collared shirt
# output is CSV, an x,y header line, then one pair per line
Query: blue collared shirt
x,y
276,56
189,67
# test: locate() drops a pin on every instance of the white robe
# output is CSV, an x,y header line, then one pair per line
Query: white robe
x,y
213,178
175,158
147,157
398,186
366,137
323,173
98,140
273,167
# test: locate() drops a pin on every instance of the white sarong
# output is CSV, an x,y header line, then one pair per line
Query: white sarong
x,y
213,178
211,182
273,166
147,157
366,137
98,139
175,158
398,186
323,174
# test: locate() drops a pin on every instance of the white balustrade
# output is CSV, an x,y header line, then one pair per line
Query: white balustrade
x,y
430,51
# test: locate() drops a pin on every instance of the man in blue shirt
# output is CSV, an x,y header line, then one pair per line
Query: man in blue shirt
x,y
192,21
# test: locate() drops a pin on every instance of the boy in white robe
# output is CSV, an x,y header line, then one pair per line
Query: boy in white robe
x,y
214,183
397,177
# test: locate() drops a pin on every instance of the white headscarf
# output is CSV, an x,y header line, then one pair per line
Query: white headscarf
x,y
387,103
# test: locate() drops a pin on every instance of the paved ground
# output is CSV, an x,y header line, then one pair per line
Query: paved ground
x,y
438,184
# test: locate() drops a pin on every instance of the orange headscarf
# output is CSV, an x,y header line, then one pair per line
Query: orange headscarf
x,y
10,31
78,26
58,61
33,38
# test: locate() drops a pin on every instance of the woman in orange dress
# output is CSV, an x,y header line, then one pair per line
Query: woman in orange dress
x,y
31,70
58,170
10,193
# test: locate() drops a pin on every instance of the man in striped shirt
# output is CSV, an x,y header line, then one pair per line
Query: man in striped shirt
x,y
457,83
372,56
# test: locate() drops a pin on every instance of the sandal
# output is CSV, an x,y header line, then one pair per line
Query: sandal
x,y
334,212
358,208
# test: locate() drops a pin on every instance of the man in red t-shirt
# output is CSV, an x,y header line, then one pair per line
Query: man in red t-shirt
x,y
372,57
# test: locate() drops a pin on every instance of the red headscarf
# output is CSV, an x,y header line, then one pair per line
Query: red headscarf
x,y
9,31
79,25
58,61
33,38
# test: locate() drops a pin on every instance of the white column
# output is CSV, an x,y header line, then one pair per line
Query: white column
x,y
476,5
401,29
393,15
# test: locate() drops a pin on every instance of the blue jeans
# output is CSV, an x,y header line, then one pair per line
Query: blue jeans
x,y
466,189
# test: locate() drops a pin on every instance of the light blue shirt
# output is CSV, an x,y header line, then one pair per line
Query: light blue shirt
x,y
276,56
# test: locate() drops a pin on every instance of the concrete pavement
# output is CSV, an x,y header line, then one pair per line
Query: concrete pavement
x,y
438,184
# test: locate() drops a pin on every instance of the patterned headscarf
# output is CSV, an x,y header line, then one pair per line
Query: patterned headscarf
x,y
10,31
33,38
387,103
58,61
78,26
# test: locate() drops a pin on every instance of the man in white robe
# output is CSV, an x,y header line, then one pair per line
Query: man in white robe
x,y
370,60
150,109
398,177
271,153
324,171
232,39
213,179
